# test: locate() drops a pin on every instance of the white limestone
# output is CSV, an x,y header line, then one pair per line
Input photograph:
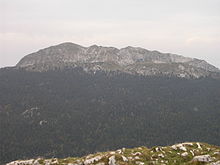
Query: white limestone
x,y
92,160
112,161
184,154
203,158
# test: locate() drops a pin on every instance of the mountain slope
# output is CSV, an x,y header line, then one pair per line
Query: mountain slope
x,y
68,100
71,112
132,60
183,153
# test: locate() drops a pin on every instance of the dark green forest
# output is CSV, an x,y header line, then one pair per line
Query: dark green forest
x,y
70,112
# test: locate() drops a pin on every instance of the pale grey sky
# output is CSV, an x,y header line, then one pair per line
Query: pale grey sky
x,y
187,27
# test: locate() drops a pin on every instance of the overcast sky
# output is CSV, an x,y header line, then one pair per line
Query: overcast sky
x,y
187,27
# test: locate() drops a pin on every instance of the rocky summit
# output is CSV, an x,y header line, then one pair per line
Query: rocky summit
x,y
183,153
133,60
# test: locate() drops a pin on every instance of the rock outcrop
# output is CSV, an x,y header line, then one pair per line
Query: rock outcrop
x,y
132,60
184,153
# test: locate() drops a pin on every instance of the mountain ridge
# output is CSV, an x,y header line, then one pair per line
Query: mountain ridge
x,y
133,60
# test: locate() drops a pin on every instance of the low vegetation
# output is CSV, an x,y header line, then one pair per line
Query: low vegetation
x,y
183,153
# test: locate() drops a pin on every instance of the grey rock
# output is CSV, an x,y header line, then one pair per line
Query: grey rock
x,y
22,162
202,158
133,60
92,160
112,160
215,163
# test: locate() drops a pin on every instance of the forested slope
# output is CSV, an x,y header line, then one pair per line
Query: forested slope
x,y
72,113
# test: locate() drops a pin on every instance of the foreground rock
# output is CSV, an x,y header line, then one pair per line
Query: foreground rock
x,y
183,153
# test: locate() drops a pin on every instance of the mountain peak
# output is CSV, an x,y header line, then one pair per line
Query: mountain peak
x,y
69,44
134,60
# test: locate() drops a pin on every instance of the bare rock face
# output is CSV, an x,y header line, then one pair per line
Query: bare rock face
x,y
133,60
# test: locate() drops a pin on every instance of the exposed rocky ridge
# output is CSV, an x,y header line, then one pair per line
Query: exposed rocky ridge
x,y
183,153
132,60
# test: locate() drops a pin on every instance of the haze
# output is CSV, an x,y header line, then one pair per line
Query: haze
x,y
190,27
